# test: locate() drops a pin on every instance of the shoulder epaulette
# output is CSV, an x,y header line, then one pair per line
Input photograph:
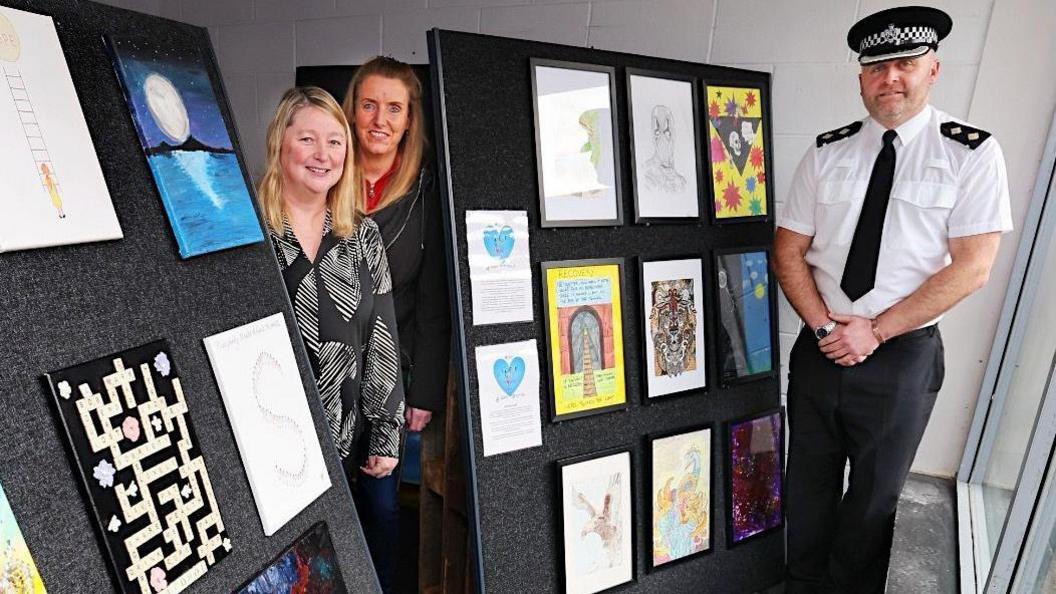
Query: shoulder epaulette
x,y
966,135
839,133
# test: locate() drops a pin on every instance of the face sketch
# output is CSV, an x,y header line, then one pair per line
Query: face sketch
x,y
663,134
382,115
312,155
896,90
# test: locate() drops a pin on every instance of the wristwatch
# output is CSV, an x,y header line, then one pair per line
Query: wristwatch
x,y
823,331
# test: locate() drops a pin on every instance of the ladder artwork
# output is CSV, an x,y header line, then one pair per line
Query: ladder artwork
x,y
34,137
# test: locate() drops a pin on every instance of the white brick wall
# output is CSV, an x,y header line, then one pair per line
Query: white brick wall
x,y
801,42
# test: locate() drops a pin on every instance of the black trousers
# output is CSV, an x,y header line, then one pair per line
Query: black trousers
x,y
873,414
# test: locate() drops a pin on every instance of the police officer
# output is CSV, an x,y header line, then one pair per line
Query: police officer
x,y
889,222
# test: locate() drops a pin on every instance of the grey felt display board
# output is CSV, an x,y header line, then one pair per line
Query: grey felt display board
x,y
67,305
483,94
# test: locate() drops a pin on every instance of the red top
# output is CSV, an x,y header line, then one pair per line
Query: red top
x,y
375,191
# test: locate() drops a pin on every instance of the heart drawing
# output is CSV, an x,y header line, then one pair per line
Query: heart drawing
x,y
499,241
509,374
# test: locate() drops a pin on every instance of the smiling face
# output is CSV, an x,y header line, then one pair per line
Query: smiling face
x,y
313,153
896,90
382,116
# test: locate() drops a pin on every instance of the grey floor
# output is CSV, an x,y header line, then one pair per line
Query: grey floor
x,y
924,552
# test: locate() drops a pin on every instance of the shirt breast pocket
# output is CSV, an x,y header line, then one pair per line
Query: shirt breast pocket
x,y
917,218
836,210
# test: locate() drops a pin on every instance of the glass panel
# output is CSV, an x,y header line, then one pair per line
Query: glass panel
x,y
1022,402
1037,567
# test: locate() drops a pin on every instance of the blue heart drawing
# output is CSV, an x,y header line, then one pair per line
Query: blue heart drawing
x,y
509,375
499,242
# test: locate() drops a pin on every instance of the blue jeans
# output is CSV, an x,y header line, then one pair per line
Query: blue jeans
x,y
378,506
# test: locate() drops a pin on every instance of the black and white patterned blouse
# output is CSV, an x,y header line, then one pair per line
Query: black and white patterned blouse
x,y
343,305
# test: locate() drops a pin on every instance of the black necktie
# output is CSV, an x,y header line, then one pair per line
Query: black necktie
x,y
860,273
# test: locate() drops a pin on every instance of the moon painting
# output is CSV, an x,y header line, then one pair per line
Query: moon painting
x,y
177,115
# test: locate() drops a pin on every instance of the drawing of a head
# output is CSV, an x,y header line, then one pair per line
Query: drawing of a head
x,y
663,134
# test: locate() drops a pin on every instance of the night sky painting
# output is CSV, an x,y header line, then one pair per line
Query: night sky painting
x,y
187,145
755,455
309,565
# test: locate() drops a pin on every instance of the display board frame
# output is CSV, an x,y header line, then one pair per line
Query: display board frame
x,y
479,80
71,304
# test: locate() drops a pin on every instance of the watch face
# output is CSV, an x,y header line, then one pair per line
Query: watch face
x,y
821,332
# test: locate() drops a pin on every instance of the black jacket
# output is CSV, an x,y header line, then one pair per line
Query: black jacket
x,y
412,229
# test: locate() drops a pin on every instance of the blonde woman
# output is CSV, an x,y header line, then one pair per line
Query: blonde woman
x,y
334,265
384,107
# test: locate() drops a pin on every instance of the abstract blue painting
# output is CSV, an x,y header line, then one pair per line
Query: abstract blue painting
x,y
309,565
187,145
745,304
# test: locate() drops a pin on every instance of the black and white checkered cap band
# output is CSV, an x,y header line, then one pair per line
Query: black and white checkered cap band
x,y
893,35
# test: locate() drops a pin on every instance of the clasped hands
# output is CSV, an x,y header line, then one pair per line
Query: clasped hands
x,y
851,342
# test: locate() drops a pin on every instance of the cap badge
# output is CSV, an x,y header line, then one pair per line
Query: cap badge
x,y
890,34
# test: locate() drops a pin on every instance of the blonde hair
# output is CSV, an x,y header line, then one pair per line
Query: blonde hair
x,y
343,197
412,145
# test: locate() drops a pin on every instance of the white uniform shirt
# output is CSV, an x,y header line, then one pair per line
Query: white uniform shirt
x,y
942,189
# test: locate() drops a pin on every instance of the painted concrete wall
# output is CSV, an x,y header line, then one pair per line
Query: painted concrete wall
x,y
261,42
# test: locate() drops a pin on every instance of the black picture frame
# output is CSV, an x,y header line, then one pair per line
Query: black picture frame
x,y
555,417
703,189
721,348
649,466
728,470
559,466
768,159
643,326
544,220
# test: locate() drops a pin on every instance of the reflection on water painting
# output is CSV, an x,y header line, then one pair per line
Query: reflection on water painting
x,y
187,145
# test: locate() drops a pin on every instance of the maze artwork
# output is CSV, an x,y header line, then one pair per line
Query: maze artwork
x,y
133,444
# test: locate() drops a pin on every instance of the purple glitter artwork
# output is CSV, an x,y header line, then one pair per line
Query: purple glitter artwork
x,y
755,447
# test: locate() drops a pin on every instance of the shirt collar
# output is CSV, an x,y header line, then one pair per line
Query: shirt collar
x,y
289,247
907,131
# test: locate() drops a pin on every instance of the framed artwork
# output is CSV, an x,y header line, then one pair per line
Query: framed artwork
x,y
18,571
673,326
187,144
755,481
576,148
665,145
52,191
747,315
584,336
308,565
268,410
133,444
597,528
680,495
737,133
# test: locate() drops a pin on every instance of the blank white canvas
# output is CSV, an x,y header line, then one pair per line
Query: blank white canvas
x,y
42,125
265,401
